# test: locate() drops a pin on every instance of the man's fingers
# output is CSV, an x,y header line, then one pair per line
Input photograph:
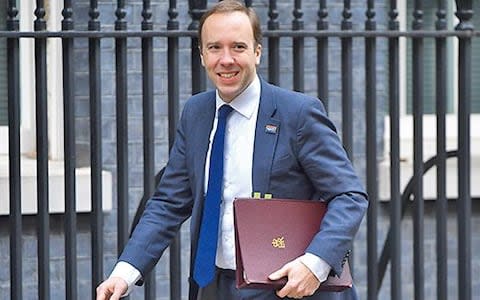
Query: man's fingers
x,y
111,289
286,290
301,281
106,292
283,272
102,293
117,293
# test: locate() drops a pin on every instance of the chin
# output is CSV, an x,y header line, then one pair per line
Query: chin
x,y
228,94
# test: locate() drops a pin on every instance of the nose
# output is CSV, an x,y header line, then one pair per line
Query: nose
x,y
226,57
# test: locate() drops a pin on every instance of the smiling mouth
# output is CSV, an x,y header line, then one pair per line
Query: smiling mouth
x,y
227,75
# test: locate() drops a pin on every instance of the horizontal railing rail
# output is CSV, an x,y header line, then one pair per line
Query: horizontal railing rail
x,y
267,33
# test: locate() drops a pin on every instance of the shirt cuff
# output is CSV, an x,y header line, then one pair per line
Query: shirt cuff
x,y
317,265
128,273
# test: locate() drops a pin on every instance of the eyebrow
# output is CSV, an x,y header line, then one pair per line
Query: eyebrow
x,y
234,43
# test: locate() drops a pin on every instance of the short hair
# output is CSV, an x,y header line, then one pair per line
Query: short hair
x,y
229,6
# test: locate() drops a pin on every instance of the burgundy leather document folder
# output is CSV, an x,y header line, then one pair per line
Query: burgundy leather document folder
x,y
271,232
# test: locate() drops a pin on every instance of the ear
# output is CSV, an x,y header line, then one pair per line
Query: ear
x,y
258,54
201,56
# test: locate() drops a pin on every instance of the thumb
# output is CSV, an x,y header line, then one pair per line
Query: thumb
x,y
283,272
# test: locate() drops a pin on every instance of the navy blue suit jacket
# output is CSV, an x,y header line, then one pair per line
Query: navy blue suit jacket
x,y
302,159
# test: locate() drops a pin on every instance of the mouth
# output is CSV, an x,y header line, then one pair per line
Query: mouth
x,y
227,75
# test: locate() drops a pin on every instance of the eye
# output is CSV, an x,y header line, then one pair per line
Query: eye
x,y
213,48
239,47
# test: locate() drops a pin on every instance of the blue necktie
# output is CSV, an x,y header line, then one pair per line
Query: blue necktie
x,y
204,268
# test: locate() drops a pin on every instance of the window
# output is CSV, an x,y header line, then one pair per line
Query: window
x,y
3,67
27,77
27,119
27,80
429,19
3,80
406,9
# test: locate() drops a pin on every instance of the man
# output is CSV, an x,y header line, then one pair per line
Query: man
x,y
276,141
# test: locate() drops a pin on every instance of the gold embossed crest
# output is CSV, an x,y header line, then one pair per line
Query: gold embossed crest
x,y
278,242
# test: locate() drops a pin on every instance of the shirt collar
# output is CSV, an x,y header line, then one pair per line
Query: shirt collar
x,y
245,103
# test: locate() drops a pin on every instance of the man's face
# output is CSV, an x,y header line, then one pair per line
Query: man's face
x,y
229,53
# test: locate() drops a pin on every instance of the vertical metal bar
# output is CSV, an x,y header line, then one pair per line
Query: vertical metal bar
x,y
417,89
42,154
95,147
347,90
15,215
372,171
273,45
122,127
148,129
298,49
199,81
395,197
464,203
322,55
70,158
441,201
173,114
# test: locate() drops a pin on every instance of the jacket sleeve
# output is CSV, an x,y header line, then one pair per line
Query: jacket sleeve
x,y
165,211
328,167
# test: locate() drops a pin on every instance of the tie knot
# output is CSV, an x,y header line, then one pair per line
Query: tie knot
x,y
224,111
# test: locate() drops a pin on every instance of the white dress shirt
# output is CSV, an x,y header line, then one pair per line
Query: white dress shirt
x,y
238,159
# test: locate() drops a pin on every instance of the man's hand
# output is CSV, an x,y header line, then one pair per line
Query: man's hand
x,y
112,288
301,281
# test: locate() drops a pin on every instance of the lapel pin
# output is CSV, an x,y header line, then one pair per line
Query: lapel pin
x,y
272,129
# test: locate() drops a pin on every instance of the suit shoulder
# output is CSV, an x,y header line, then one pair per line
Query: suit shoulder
x,y
201,97
293,99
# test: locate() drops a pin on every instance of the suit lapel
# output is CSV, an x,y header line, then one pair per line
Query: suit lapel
x,y
266,136
202,136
